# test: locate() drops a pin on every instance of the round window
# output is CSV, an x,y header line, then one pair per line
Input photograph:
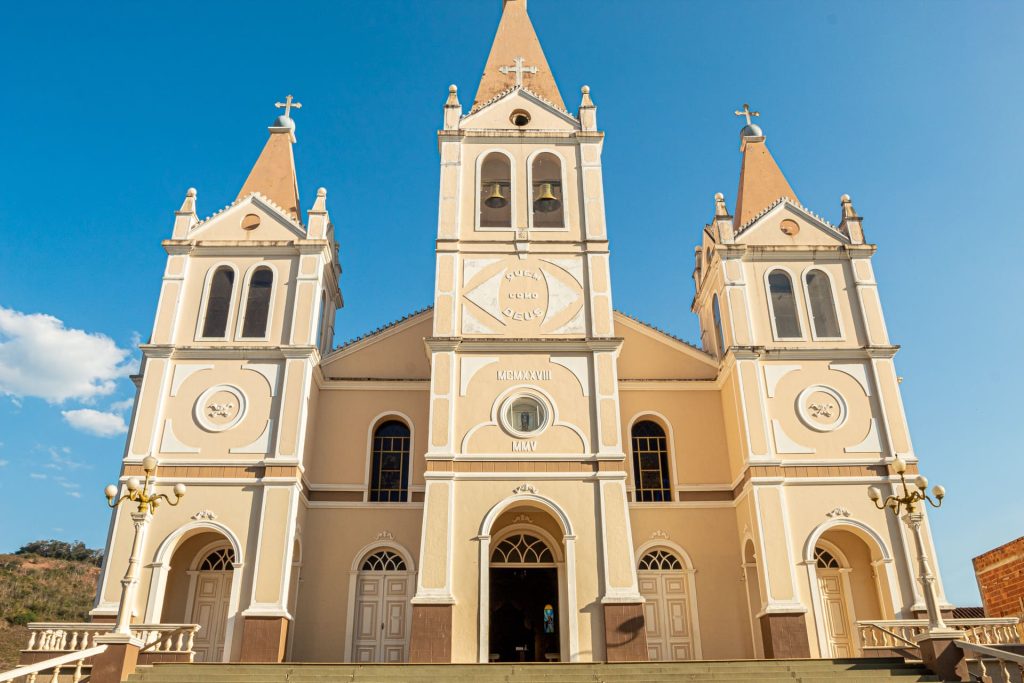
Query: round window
x,y
524,415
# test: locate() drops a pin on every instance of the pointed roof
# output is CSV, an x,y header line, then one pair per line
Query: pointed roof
x,y
761,180
514,39
273,174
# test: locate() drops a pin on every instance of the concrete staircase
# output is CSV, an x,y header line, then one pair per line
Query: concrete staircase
x,y
775,671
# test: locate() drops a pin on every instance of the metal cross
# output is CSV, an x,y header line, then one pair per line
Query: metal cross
x,y
518,69
746,112
288,105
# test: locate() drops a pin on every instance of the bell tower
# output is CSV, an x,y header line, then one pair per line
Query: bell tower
x,y
524,398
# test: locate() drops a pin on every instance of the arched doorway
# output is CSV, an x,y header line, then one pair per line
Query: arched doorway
x,y
384,585
524,614
666,583
209,597
836,606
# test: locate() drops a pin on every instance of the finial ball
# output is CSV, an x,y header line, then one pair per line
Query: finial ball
x,y
322,192
453,88
845,198
719,196
585,90
190,192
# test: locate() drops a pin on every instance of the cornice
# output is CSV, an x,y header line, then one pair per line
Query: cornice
x,y
227,352
527,344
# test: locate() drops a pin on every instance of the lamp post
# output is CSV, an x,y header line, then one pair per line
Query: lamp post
x,y
142,494
913,500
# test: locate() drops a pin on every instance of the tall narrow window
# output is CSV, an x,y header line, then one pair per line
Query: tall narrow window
x,y
321,332
783,302
716,313
548,205
823,308
219,303
496,191
650,463
257,304
389,469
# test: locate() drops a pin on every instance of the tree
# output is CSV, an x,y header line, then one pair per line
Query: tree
x,y
62,550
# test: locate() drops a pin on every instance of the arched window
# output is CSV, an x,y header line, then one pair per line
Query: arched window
x,y
522,549
823,559
383,561
658,560
548,205
823,308
716,313
389,473
783,305
257,303
221,560
218,303
650,463
496,191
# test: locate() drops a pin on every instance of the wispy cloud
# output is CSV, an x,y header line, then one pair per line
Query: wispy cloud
x,y
37,475
4,463
95,422
120,406
40,357
60,461
74,494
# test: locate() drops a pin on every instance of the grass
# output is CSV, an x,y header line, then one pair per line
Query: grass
x,y
34,588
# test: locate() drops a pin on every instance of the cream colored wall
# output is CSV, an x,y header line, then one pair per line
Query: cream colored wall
x,y
397,355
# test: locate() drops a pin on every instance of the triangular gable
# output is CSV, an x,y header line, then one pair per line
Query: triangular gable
x,y
768,227
495,112
275,223
649,353
394,351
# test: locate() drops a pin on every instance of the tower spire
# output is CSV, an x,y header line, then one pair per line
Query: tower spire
x,y
761,179
516,59
273,175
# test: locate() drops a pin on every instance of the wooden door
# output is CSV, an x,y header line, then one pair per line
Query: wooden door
x,y
381,617
210,611
836,614
667,614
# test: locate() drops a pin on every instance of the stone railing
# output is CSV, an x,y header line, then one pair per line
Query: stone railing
x,y
993,665
174,639
898,634
68,665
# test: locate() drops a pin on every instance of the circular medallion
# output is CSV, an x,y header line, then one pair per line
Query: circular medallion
x,y
524,415
220,408
821,408
789,226
250,221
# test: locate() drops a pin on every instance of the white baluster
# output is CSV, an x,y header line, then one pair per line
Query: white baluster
x,y
55,678
78,671
32,677
32,640
181,641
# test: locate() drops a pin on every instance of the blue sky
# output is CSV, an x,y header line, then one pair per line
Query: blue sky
x,y
112,110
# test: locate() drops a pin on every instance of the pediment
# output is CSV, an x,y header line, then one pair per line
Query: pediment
x,y
649,353
394,351
227,225
789,224
495,113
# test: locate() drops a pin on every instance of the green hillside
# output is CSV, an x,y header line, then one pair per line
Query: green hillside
x,y
37,588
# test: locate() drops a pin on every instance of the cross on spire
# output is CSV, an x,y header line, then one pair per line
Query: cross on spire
x,y
518,69
746,112
288,105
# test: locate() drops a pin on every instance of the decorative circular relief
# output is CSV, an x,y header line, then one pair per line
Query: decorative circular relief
x,y
220,408
524,415
821,408
789,227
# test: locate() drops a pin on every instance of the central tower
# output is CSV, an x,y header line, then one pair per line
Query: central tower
x,y
525,435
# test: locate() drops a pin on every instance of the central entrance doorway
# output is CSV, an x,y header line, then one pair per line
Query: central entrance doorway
x,y
524,619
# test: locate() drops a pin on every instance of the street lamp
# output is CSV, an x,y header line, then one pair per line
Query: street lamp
x,y
141,493
913,500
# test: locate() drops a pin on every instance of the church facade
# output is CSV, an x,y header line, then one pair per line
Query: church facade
x,y
519,472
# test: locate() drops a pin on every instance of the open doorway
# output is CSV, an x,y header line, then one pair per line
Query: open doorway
x,y
524,619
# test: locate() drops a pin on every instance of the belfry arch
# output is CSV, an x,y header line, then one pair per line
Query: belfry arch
x,y
530,533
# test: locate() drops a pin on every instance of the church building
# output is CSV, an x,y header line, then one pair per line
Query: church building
x,y
520,472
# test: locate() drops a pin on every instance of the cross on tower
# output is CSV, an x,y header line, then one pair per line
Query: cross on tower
x,y
518,69
746,112
288,105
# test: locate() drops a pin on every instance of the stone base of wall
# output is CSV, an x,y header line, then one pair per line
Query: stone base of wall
x,y
625,637
431,639
785,636
263,639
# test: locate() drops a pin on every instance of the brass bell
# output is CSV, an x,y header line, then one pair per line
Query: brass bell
x,y
496,200
547,201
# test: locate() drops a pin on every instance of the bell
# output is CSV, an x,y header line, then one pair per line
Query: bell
x,y
496,200
547,201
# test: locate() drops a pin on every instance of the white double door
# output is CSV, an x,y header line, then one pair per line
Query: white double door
x,y
835,604
211,596
381,628
667,613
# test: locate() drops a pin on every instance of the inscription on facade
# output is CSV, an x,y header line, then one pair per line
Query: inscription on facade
x,y
529,280
524,446
524,375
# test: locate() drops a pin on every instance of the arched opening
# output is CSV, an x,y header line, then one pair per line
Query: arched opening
x,y
824,320
389,462
218,303
257,303
849,586
547,202
495,191
716,315
782,301
384,585
666,582
199,590
754,602
651,479
526,588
